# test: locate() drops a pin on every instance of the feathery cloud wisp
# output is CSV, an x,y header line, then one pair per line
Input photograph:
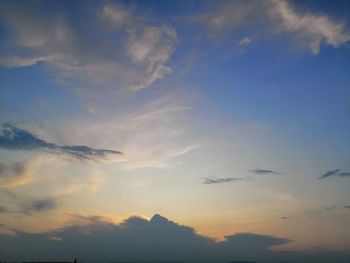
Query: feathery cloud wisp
x,y
309,30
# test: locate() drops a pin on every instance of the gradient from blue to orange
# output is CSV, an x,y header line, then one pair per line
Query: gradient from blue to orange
x,y
227,113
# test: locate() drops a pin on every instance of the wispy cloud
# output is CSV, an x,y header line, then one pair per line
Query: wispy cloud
x,y
13,138
327,209
38,205
244,41
211,180
336,172
264,171
15,173
309,30
135,57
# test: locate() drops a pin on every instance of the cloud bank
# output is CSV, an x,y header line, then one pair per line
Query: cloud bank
x,y
95,238
13,138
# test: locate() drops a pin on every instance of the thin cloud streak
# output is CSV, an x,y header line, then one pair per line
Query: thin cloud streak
x,y
336,172
264,171
209,180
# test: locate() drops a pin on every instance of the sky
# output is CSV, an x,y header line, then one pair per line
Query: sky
x,y
175,130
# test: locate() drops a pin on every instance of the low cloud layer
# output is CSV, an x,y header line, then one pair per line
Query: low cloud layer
x,y
13,138
92,239
336,172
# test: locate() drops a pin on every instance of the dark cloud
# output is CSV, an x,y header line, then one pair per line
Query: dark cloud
x,y
264,171
38,205
96,239
12,173
347,206
3,209
327,209
13,138
221,180
336,172
329,173
285,217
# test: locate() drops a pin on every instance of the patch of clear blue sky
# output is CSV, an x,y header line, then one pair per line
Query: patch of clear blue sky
x,y
31,94
299,94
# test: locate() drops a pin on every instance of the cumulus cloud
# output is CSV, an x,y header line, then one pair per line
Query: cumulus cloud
x,y
97,238
221,180
264,171
13,138
309,30
129,53
336,172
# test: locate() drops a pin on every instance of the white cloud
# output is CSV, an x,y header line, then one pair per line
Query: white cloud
x,y
128,54
312,30
309,30
245,41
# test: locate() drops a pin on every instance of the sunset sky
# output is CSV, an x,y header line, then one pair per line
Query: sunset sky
x,y
228,117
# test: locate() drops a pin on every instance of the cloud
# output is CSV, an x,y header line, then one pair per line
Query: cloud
x,y
152,135
13,138
336,172
244,41
309,30
14,174
285,217
327,209
97,238
264,171
120,51
3,209
222,180
38,205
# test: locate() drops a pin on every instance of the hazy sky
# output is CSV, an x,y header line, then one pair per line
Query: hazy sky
x,y
230,117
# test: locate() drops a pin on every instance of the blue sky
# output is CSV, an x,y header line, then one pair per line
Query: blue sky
x,y
229,116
